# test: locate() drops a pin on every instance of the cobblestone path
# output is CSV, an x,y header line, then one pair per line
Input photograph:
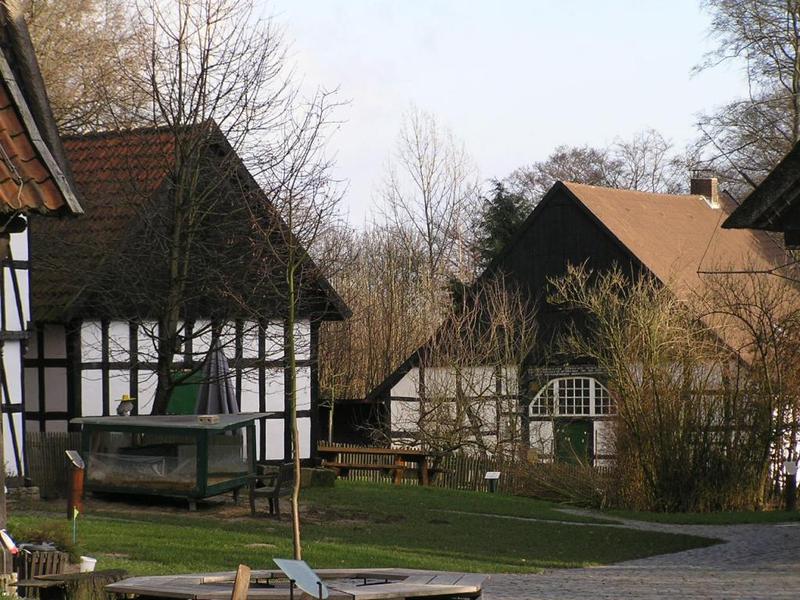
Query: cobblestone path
x,y
755,561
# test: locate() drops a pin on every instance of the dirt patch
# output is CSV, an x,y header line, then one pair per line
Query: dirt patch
x,y
346,516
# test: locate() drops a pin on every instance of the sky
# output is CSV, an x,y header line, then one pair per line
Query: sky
x,y
512,79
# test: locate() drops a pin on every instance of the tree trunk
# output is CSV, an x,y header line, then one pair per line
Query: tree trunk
x,y
292,360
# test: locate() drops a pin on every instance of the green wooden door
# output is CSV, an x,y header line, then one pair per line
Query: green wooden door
x,y
573,441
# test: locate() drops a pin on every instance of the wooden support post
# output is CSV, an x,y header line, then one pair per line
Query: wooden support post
x,y
399,469
423,471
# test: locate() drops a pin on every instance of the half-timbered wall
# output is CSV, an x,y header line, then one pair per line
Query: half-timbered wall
x,y
495,392
14,317
81,369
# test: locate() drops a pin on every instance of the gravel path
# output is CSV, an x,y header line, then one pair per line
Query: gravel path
x,y
755,561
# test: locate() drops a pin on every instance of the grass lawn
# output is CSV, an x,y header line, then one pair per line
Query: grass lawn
x,y
717,518
357,525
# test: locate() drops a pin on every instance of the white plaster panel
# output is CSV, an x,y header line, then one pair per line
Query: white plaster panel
x,y
8,446
541,438
274,431
147,341
55,389
302,340
604,437
178,356
404,415
273,334
408,386
19,245
249,401
119,341
119,382
440,382
249,339
91,393
257,426
31,389
276,400
510,381
304,388
13,320
57,425
146,392
227,339
304,431
12,359
91,341
201,339
478,381
55,341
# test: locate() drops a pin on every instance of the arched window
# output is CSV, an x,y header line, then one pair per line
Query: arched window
x,y
572,396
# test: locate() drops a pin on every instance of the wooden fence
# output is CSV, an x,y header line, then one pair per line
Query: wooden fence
x,y
47,463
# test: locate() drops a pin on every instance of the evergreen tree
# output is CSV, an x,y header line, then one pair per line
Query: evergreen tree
x,y
502,214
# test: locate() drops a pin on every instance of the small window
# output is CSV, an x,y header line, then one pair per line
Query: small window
x,y
572,396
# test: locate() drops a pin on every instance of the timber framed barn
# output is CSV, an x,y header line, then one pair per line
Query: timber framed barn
x,y
34,182
87,351
562,407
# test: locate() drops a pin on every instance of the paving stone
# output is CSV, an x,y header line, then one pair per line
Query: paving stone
x,y
754,562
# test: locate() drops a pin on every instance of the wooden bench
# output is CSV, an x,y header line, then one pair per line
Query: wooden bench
x,y
335,457
31,564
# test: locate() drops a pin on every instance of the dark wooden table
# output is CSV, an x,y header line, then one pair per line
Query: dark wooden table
x,y
344,458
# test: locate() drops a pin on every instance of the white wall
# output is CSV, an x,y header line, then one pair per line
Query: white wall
x,y
119,379
541,438
441,383
15,285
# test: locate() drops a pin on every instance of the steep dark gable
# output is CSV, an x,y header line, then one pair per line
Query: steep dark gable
x,y
560,231
775,204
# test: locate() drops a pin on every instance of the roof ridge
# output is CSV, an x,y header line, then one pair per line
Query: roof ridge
x,y
140,130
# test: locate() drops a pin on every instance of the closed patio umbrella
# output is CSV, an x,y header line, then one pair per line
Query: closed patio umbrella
x,y
216,395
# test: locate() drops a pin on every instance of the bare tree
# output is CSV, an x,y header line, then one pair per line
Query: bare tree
x,y
86,50
298,207
747,137
646,162
469,374
430,185
699,383
384,281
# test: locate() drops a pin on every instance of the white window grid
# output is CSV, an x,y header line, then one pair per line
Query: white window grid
x,y
572,396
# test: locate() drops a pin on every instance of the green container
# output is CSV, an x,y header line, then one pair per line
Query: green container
x,y
183,399
182,456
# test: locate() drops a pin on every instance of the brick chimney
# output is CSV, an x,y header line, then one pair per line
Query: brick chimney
x,y
708,187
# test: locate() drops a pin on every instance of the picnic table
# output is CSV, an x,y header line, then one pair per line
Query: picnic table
x,y
344,458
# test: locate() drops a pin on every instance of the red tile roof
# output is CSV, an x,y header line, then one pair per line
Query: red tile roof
x,y
117,174
33,176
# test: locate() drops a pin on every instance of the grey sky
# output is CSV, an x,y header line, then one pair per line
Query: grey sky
x,y
512,79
